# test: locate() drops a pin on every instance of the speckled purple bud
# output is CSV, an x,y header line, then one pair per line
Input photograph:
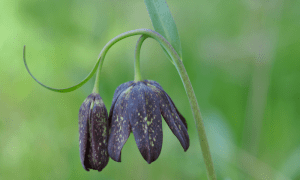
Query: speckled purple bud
x,y
93,133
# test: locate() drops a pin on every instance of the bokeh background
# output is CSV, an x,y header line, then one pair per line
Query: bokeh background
x,y
242,58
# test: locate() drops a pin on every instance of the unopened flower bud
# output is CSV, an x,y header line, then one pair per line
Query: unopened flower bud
x,y
93,133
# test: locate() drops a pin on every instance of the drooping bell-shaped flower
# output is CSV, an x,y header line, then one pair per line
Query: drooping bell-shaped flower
x,y
137,107
93,133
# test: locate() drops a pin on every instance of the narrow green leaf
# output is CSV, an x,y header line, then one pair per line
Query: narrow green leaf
x,y
164,23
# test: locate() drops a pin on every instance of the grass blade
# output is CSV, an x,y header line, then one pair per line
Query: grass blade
x,y
164,23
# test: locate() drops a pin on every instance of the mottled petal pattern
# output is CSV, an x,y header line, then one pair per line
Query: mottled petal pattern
x,y
180,115
120,127
157,85
117,93
175,121
93,133
145,121
137,107
83,127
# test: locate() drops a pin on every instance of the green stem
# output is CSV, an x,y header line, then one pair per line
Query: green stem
x,y
61,90
183,75
198,120
137,72
97,81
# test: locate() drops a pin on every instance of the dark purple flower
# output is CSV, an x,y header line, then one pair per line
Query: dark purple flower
x,y
137,107
93,133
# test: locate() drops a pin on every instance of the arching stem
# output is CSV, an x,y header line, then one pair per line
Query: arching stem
x,y
97,81
137,70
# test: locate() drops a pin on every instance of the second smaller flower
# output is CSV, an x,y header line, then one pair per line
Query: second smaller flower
x,y
93,133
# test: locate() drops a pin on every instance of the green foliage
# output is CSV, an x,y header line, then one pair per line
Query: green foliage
x,y
163,23
232,49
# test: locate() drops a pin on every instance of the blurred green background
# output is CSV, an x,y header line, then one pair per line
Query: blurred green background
x,y
242,58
